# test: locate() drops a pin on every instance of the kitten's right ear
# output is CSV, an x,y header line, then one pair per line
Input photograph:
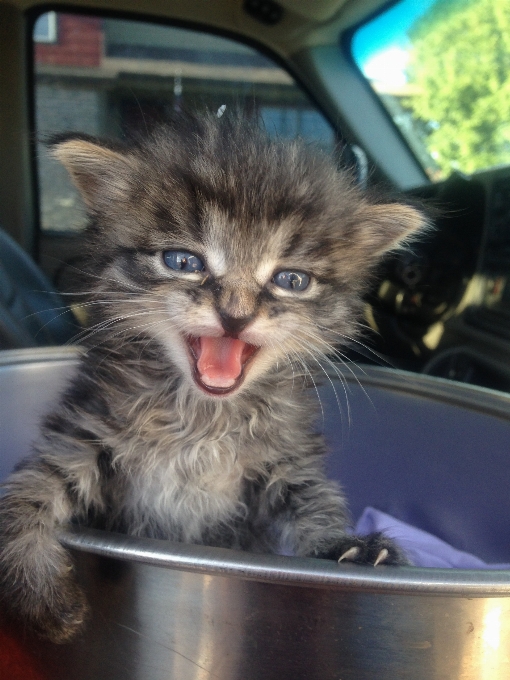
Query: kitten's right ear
x,y
98,172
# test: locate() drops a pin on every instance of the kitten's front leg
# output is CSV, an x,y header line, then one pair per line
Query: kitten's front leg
x,y
37,584
313,523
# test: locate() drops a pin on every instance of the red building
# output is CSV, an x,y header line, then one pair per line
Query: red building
x,y
77,41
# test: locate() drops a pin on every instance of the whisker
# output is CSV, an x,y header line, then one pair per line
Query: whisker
x,y
369,349
125,330
340,358
308,372
344,363
311,353
103,325
143,327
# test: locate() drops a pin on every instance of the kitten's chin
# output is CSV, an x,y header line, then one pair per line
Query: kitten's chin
x,y
219,364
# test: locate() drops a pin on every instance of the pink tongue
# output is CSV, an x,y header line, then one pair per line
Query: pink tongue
x,y
219,363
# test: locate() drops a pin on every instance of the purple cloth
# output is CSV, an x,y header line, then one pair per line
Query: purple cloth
x,y
423,549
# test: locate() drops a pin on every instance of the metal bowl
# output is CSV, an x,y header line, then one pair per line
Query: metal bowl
x,y
164,611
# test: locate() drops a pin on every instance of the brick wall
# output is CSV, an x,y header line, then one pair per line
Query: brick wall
x,y
79,43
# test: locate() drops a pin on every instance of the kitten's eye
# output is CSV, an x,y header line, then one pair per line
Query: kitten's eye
x,y
291,280
182,261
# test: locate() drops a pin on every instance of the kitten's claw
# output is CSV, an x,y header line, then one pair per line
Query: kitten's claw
x,y
372,550
381,557
350,554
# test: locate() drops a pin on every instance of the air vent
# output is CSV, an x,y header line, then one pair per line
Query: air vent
x,y
265,11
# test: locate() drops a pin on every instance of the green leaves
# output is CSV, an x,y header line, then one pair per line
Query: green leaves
x,y
461,66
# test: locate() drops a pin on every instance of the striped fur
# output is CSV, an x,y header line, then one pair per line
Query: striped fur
x,y
135,445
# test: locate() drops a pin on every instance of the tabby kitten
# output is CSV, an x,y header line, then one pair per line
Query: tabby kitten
x,y
222,266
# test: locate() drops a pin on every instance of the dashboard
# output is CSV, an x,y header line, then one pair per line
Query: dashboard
x,y
443,306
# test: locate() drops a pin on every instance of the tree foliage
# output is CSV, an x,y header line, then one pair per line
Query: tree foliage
x,y
460,64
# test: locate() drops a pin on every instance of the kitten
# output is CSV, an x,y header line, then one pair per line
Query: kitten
x,y
222,266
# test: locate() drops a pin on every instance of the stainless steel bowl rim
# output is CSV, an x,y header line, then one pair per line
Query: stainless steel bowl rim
x,y
295,571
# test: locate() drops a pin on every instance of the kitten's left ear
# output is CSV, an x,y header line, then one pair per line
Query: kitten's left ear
x,y
388,226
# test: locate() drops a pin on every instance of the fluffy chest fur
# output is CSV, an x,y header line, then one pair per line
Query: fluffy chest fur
x,y
180,464
185,490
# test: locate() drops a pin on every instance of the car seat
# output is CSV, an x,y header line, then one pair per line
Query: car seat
x,y
32,312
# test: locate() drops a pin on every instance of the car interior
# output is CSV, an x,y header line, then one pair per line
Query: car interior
x,y
412,98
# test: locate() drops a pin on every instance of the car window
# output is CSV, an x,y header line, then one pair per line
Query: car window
x,y
442,70
110,77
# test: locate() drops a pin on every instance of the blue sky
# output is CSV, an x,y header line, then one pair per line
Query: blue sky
x,y
387,30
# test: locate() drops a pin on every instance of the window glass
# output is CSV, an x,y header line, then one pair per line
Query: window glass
x,y
442,70
45,28
110,77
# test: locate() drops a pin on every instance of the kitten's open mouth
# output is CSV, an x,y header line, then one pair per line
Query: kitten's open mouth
x,y
219,363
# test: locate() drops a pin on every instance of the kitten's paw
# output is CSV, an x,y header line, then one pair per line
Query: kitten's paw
x,y
372,550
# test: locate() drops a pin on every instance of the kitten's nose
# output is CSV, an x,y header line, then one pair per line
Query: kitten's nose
x,y
234,324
